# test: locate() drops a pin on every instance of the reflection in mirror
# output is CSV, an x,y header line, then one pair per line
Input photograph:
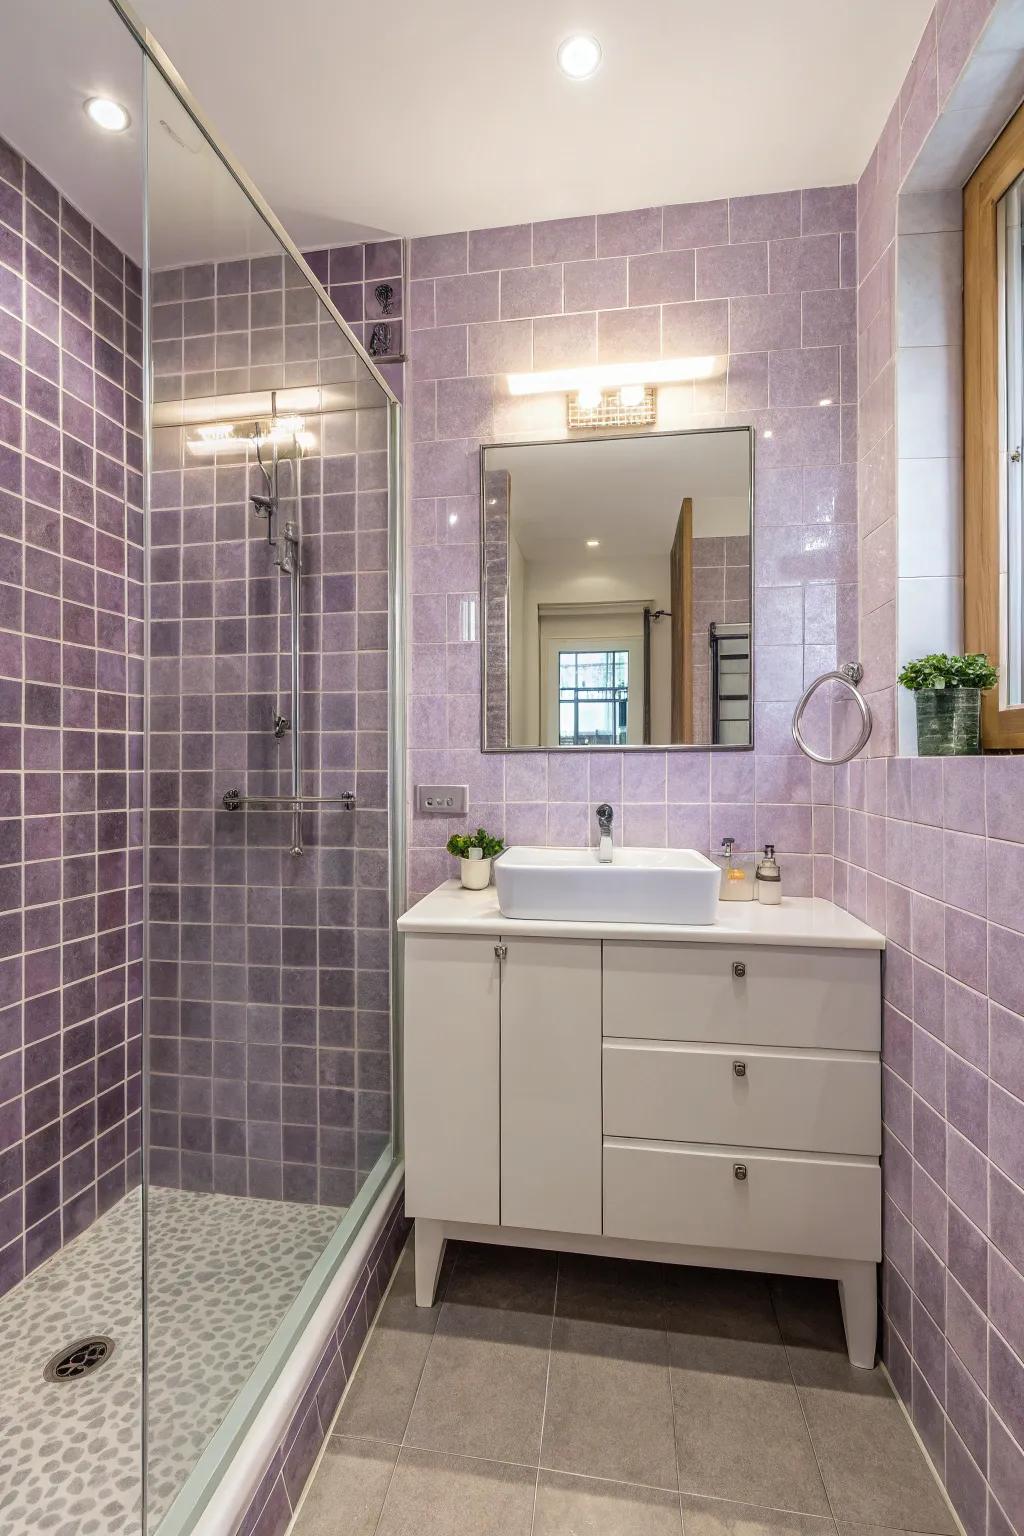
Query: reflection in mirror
x,y
616,591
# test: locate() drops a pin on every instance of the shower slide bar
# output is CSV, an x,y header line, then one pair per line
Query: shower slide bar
x,y
234,800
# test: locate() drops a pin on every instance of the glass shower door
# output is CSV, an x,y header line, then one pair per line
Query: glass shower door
x,y
269,1081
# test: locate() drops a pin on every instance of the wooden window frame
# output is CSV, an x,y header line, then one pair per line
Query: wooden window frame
x,y
1002,725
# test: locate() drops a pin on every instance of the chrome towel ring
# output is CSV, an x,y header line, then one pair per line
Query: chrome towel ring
x,y
849,674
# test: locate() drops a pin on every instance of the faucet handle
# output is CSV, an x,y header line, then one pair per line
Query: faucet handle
x,y
604,816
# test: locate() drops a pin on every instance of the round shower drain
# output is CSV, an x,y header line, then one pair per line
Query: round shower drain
x,y
79,1359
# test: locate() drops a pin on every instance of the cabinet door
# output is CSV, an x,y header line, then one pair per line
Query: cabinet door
x,y
450,1075
551,1084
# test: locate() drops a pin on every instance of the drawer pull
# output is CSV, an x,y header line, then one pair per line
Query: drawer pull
x,y
739,969
739,1171
500,951
739,1069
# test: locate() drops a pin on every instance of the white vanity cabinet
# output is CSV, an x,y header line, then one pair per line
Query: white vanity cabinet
x,y
690,1095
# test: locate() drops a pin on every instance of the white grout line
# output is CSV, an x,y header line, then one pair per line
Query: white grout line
x,y
544,1409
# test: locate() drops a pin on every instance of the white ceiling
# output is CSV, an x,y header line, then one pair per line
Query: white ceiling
x,y
624,491
196,210
418,118
456,116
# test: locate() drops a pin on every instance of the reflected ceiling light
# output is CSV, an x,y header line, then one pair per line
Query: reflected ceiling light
x,y
579,56
767,432
826,401
631,395
593,543
282,432
453,518
107,113
666,370
589,399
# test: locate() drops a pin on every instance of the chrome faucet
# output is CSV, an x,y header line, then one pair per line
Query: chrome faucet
x,y
604,823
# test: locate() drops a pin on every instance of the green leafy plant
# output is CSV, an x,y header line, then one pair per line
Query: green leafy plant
x,y
941,671
460,843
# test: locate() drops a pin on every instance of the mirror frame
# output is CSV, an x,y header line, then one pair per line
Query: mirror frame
x,y
590,437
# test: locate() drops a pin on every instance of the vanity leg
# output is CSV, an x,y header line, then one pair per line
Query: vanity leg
x,y
429,1240
858,1296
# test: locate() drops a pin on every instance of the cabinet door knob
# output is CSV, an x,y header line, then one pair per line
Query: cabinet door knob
x,y
739,1171
500,951
738,968
739,1069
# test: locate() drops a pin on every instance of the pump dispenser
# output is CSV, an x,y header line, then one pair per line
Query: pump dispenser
x,y
737,873
768,878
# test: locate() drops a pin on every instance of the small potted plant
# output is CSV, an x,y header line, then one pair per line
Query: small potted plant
x,y
948,690
474,851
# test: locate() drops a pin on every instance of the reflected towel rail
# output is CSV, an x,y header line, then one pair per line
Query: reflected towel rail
x,y
849,674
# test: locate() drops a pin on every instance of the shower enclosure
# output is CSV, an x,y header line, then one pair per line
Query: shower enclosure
x,y
199,466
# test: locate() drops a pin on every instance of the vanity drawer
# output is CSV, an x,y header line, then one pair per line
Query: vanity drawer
x,y
751,1096
743,994
788,1202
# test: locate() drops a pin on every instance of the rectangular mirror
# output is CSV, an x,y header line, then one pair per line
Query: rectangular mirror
x,y
617,598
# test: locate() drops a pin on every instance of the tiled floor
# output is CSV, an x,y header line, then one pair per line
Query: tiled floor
x,y
567,1395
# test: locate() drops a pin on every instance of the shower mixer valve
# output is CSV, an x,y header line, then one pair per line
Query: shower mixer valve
x,y
282,725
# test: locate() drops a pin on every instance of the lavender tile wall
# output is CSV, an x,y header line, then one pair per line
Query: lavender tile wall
x,y
70,719
932,853
269,974
776,306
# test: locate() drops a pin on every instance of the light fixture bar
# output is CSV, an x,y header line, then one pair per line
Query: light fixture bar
x,y
668,370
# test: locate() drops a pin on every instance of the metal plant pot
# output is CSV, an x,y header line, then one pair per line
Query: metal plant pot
x,y
948,722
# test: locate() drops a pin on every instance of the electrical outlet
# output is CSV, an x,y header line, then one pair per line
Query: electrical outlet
x,y
442,799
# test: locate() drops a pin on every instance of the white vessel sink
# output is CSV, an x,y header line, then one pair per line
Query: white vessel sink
x,y
640,885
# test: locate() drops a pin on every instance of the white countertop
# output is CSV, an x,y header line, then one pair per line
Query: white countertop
x,y
798,920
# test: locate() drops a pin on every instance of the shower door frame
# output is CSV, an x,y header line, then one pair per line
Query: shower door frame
x,y
191,1501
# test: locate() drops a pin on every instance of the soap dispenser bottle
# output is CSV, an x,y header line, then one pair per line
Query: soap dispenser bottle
x,y
737,873
768,878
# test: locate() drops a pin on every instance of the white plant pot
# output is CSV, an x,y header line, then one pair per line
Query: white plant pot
x,y
475,874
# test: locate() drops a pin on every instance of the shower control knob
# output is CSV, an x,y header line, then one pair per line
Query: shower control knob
x,y
739,1171
739,1069
739,970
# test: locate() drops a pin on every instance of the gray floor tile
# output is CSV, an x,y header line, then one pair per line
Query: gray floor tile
x,y
845,1528
346,1496
719,1517
617,1291
503,1279
809,1313
609,1408
722,1303
482,1388
873,1467
585,1506
739,1430
380,1398
433,1495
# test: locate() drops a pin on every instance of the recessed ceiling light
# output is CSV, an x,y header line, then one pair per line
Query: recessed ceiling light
x,y
108,114
579,56
593,543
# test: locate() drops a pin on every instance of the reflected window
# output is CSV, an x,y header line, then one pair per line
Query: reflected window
x,y
593,698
